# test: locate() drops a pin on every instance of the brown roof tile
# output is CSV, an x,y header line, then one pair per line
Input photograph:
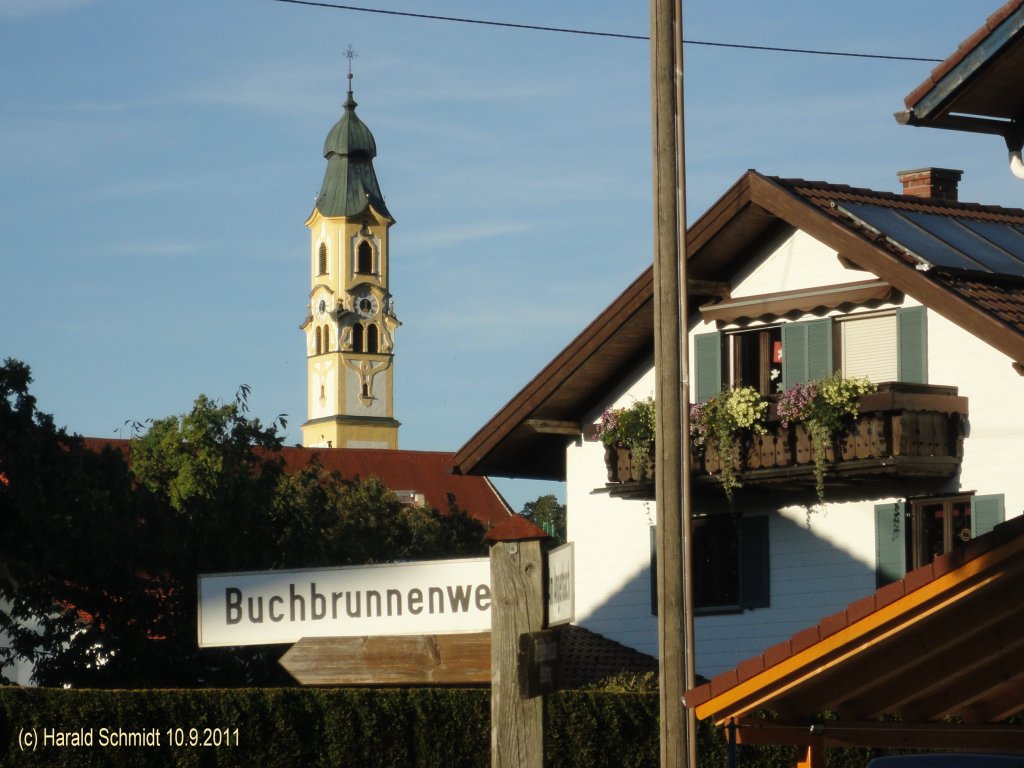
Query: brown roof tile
x,y
587,658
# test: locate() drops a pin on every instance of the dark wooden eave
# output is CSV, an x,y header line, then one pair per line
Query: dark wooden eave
x,y
942,649
755,212
980,86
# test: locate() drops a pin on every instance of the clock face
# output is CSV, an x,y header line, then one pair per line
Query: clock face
x,y
366,306
321,308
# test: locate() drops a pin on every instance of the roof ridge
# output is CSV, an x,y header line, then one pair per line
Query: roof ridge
x,y
896,197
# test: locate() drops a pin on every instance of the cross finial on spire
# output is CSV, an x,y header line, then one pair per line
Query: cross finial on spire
x,y
350,54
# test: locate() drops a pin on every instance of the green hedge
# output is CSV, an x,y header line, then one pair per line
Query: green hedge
x,y
368,728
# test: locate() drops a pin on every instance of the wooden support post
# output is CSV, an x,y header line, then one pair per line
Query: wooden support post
x,y
812,755
517,608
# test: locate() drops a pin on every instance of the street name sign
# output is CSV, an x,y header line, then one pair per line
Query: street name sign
x,y
418,598
561,585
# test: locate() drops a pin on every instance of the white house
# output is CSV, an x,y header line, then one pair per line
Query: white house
x,y
791,280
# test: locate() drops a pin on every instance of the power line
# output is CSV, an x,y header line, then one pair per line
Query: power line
x,y
619,35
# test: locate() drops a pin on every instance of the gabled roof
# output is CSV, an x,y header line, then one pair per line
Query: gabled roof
x,y
980,86
423,472
527,437
944,642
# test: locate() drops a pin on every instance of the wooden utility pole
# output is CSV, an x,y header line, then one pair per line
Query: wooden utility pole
x,y
672,471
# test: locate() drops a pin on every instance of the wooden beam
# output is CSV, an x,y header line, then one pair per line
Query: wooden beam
x,y
933,736
458,659
719,288
554,427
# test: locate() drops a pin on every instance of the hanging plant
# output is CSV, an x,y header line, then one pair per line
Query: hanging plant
x,y
631,428
726,419
827,408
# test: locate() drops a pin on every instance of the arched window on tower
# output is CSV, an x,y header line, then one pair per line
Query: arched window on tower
x,y
357,337
372,339
319,342
364,258
322,263
327,339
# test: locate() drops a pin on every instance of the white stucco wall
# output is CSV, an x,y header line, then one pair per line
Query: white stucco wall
x,y
821,559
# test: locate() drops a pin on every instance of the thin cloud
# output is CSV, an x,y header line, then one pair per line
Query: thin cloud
x,y
21,8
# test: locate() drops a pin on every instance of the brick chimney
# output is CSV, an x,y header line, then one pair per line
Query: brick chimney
x,y
936,183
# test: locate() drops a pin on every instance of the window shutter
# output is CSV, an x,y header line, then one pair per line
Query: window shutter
x,y
794,354
755,566
890,546
806,351
986,513
708,357
869,348
912,348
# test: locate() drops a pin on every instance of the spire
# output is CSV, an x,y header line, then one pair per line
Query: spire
x,y
350,183
350,103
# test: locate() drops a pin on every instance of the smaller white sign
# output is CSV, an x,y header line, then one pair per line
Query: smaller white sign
x,y
421,598
561,585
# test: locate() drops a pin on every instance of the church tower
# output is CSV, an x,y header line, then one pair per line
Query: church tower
x,y
350,321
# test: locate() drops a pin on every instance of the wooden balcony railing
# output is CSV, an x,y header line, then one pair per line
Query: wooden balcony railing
x,y
903,430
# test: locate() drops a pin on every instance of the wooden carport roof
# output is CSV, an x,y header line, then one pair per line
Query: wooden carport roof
x,y
939,655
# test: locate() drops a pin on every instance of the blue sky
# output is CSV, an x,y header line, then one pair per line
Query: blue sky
x,y
158,160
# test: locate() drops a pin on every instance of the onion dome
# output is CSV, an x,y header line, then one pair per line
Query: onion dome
x,y
350,184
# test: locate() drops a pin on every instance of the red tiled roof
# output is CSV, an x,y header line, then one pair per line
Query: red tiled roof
x,y
424,472
966,47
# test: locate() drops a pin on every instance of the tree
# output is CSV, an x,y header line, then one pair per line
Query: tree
x,y
548,513
99,551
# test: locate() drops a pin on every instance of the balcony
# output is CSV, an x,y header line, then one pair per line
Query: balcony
x,y
902,431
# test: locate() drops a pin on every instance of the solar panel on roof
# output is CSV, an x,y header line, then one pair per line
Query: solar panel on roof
x,y
946,241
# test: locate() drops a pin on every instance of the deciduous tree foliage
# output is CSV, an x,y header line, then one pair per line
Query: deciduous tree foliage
x,y
99,550
547,512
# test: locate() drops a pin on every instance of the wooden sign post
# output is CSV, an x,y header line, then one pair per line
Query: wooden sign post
x,y
517,608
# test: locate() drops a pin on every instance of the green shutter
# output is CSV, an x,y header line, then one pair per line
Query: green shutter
x,y
794,354
890,546
912,344
986,513
806,351
708,357
819,349
755,567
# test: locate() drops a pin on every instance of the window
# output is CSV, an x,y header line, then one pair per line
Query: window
x,y
883,347
364,258
372,340
322,263
868,347
357,337
937,526
327,339
730,563
319,348
757,359
910,534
